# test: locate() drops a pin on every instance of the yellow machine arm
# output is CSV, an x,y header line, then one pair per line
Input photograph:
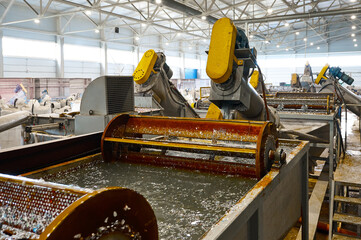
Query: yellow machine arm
x,y
228,65
152,76
221,50
145,67
322,74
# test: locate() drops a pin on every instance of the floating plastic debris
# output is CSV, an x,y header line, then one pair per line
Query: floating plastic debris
x,y
177,197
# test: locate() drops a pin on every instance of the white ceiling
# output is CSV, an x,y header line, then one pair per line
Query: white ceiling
x,y
175,20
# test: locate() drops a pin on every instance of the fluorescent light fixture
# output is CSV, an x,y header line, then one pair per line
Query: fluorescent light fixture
x,y
96,30
204,17
311,43
287,24
287,49
167,43
354,40
352,35
353,27
251,36
270,10
305,39
318,48
355,45
136,38
36,21
88,12
353,17
297,33
278,45
158,1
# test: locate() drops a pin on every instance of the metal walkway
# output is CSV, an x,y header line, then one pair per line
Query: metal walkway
x,y
347,199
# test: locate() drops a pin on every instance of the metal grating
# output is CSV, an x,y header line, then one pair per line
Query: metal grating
x,y
120,94
29,209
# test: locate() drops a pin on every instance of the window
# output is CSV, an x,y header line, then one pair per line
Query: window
x,y
120,56
82,53
191,63
173,61
19,47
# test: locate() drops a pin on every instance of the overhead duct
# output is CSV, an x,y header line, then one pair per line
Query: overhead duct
x,y
186,10
191,11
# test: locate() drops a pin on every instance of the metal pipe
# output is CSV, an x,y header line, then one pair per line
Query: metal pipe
x,y
43,127
13,120
348,96
300,16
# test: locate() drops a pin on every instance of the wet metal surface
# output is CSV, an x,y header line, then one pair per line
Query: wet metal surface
x,y
127,132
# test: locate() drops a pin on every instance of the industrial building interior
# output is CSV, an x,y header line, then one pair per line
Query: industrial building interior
x,y
180,119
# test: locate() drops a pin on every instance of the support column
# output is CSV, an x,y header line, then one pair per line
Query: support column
x,y
60,57
104,58
246,29
59,50
1,55
181,55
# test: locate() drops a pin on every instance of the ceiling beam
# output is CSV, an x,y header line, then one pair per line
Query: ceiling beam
x,y
6,11
300,16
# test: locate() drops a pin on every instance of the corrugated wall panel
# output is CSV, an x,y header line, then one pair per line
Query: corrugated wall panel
x,y
76,69
29,67
120,69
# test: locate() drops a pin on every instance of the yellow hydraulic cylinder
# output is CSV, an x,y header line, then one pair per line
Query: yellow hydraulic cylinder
x,y
254,79
214,112
221,50
145,67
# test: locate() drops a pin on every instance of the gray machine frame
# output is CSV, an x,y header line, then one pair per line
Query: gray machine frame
x,y
331,120
257,215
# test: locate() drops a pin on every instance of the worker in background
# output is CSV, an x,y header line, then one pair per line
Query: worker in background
x,y
20,96
308,70
195,104
307,79
44,97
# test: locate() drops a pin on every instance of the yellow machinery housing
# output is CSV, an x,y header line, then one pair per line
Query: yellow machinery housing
x,y
221,51
145,67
